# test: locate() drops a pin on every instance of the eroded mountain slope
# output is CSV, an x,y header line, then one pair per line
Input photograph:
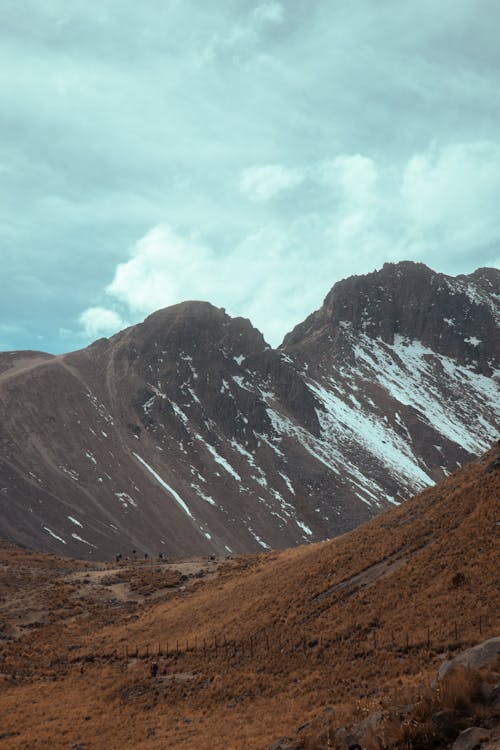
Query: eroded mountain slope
x,y
188,434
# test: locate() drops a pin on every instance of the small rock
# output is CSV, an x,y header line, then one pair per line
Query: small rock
x,y
284,743
471,739
303,727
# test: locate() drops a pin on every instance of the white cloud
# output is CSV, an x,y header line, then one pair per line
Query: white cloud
x,y
437,207
163,265
270,12
99,321
260,183
242,37
355,174
451,195
261,278
442,199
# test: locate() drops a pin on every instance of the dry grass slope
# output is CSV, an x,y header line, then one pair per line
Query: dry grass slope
x,y
350,625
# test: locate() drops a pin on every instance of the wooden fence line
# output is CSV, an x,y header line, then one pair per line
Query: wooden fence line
x,y
360,644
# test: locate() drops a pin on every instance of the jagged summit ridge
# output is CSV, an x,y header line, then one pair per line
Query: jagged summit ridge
x,y
188,434
451,315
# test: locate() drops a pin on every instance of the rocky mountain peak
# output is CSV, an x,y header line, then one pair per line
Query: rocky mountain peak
x,y
188,433
197,327
450,315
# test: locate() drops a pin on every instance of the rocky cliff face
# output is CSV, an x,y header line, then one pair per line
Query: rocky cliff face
x,y
456,317
187,433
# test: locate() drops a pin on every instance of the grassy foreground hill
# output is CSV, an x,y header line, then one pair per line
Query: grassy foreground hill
x,y
254,647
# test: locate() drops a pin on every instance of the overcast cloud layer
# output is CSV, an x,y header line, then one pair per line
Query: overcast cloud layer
x,y
245,153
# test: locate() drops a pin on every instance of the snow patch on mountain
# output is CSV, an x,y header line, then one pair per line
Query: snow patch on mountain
x,y
165,486
413,375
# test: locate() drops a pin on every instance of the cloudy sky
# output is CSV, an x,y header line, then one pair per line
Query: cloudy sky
x,y
245,152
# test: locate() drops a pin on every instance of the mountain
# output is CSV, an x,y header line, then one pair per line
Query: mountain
x,y
266,645
189,434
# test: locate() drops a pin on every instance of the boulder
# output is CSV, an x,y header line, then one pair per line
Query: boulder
x,y
482,655
471,739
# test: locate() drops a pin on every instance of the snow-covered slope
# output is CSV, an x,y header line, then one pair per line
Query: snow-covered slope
x,y
189,434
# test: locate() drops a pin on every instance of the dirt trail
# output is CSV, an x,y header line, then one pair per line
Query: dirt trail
x,y
25,365
370,575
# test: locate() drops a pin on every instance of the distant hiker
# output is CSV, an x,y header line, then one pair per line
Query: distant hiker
x,y
118,557
145,555
153,669
160,555
164,670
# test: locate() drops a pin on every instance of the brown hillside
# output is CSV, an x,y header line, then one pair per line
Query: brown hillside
x,y
347,624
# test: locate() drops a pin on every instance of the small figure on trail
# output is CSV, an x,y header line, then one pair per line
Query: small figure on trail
x,y
160,555
118,557
153,669
145,555
164,670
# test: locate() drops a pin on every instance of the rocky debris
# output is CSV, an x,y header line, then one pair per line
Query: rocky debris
x,y
284,743
493,466
426,721
473,738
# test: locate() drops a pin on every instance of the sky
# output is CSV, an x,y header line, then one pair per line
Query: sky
x,y
246,152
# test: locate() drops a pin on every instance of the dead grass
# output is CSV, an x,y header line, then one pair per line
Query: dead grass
x,y
347,628
417,718
146,581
